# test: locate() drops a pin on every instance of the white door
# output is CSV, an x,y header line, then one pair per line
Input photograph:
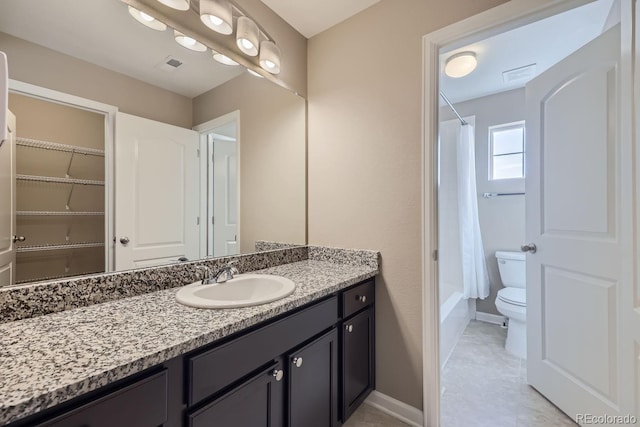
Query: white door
x,y
156,193
579,212
224,182
8,206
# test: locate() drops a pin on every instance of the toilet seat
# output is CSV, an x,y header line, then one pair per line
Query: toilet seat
x,y
515,296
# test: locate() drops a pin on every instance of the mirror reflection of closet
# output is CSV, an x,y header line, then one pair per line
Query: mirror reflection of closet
x,y
60,195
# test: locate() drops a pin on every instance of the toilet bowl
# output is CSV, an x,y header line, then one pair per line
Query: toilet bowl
x,y
511,301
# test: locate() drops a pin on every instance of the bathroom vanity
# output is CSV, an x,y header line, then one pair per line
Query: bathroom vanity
x,y
306,360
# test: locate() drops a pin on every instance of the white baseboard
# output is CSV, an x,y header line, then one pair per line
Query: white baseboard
x,y
400,410
496,319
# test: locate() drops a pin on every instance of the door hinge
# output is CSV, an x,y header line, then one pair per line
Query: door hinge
x,y
198,150
213,221
198,221
434,255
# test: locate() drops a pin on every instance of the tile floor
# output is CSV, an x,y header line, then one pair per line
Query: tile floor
x,y
486,386
483,386
368,416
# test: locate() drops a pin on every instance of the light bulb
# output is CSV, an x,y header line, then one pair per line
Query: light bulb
x,y
246,44
147,17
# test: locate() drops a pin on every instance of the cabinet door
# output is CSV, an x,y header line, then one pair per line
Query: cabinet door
x,y
313,383
358,365
142,404
258,402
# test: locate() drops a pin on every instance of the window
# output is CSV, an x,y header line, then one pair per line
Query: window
x,y
506,151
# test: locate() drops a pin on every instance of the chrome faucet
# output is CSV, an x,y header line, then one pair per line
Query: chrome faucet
x,y
207,278
225,273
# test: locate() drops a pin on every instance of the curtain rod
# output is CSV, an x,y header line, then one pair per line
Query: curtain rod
x,y
462,121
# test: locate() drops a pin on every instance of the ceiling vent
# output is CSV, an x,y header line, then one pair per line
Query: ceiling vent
x,y
170,64
519,74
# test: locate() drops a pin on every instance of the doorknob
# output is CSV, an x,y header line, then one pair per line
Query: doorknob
x,y
19,239
531,247
124,240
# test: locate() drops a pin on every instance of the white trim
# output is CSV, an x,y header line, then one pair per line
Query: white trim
x,y
512,14
496,319
206,203
397,409
109,112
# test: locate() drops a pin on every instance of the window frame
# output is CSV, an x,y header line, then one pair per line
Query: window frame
x,y
505,127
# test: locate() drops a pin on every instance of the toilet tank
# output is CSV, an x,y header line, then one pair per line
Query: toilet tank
x,y
512,266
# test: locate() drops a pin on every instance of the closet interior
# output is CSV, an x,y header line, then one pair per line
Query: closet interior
x,y
60,191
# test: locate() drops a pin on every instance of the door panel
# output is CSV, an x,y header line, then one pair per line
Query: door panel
x,y
358,364
574,216
225,198
313,386
156,192
8,205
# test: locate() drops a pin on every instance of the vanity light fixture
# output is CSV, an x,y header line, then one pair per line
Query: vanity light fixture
x,y
177,4
188,42
247,36
270,56
217,15
460,64
223,59
253,73
147,20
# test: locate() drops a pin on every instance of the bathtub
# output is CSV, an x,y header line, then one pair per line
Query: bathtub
x,y
455,314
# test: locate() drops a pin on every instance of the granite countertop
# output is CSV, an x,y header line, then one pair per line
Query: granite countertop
x,y
50,359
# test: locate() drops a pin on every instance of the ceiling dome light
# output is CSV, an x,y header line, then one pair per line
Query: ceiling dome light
x,y
460,64
146,20
270,56
177,4
247,36
188,42
223,59
253,73
217,15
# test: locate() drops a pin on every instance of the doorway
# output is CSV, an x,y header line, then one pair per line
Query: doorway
x,y
451,40
220,143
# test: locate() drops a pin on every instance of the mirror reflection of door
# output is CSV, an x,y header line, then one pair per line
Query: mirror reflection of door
x,y
222,145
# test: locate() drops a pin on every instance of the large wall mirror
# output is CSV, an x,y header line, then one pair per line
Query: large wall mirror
x,y
132,151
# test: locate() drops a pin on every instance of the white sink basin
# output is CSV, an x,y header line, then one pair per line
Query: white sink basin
x,y
242,291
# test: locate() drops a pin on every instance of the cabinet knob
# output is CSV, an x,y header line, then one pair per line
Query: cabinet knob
x,y
348,328
278,374
19,239
361,298
297,361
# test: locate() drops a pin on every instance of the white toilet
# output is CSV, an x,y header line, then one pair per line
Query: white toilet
x,y
512,300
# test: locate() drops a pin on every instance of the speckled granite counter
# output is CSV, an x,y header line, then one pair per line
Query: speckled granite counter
x,y
50,359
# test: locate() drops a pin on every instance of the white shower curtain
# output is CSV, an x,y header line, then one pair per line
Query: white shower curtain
x,y
475,279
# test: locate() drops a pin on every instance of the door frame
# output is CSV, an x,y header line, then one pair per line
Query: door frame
x,y
206,205
510,15
109,113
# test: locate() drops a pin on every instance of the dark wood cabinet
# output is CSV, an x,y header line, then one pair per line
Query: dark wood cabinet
x,y
311,367
257,402
358,363
313,383
141,404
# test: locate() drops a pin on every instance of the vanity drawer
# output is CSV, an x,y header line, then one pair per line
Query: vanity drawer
x,y
141,404
358,298
209,372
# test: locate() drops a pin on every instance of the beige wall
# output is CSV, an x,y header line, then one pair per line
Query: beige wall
x,y
272,156
44,67
502,220
364,79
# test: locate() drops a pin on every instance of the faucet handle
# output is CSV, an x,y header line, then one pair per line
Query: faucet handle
x,y
207,273
231,266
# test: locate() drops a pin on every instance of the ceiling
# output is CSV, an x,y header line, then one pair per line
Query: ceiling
x,y
102,32
543,43
311,17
